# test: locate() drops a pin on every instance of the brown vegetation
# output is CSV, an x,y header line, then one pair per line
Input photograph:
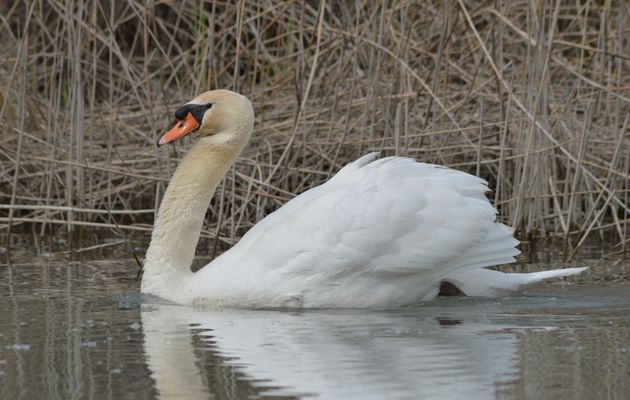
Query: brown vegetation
x,y
533,96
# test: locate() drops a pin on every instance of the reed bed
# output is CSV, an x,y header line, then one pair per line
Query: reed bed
x,y
532,96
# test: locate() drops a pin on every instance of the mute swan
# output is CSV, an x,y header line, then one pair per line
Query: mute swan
x,y
380,233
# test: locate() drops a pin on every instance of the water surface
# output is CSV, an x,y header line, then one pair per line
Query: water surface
x,y
82,331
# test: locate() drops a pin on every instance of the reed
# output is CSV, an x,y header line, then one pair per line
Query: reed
x,y
532,96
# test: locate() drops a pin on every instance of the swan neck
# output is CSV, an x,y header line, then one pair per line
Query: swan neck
x,y
181,214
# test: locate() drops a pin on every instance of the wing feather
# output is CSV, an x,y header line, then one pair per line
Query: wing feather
x,y
392,216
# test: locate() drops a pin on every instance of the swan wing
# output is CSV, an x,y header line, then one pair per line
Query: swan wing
x,y
375,221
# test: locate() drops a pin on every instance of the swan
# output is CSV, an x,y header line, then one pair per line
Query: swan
x,y
380,233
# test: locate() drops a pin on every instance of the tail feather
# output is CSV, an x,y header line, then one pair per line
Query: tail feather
x,y
469,275
536,277
487,283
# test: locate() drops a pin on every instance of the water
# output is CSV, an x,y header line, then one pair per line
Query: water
x,y
82,331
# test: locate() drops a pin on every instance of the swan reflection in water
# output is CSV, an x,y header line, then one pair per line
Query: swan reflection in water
x,y
335,354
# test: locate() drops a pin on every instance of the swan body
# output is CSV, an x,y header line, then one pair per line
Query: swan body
x,y
380,233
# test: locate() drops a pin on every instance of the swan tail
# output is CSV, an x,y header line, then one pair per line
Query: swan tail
x,y
499,247
536,277
488,283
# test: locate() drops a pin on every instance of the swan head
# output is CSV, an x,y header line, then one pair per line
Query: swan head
x,y
217,116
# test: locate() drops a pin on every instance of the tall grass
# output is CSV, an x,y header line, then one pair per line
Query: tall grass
x,y
532,96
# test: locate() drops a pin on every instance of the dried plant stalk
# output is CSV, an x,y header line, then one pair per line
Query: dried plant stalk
x,y
533,96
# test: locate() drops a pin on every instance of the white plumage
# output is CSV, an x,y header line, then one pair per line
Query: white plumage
x,y
380,233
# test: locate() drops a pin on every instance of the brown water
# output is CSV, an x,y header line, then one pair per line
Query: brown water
x,y
82,331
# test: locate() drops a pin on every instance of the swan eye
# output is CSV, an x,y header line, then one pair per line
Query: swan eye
x,y
208,106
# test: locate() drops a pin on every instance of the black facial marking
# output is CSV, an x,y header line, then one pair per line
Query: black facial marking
x,y
197,111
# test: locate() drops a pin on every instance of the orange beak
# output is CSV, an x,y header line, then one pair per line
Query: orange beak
x,y
181,129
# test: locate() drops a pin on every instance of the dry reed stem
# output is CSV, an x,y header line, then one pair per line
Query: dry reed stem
x,y
532,96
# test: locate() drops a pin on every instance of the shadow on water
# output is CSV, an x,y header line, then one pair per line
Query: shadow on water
x,y
84,332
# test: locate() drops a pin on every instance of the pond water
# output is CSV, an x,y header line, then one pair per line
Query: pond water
x,y
82,331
